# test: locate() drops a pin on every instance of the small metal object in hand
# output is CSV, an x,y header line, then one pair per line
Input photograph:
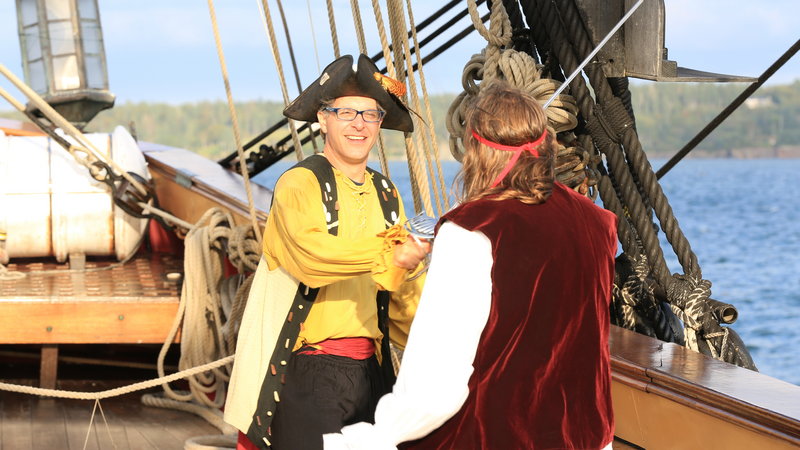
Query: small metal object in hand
x,y
422,226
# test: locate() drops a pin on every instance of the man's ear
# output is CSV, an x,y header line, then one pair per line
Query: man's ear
x,y
323,126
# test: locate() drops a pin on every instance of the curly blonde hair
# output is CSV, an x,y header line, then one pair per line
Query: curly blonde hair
x,y
506,115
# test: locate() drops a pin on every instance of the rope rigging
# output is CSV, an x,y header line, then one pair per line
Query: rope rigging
x,y
211,305
265,155
595,125
599,153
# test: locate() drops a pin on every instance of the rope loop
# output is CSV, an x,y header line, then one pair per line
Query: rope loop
x,y
473,72
499,32
574,165
614,118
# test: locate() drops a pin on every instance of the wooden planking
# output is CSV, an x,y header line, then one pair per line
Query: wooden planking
x,y
86,322
103,434
48,428
659,388
188,184
135,302
15,422
28,422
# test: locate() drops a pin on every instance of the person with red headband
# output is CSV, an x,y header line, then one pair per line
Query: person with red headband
x,y
509,346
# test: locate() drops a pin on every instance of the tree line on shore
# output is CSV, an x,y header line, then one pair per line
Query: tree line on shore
x,y
667,116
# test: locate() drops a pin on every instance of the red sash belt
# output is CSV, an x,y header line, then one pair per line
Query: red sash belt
x,y
355,348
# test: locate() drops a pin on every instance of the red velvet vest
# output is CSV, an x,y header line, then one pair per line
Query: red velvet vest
x,y
542,377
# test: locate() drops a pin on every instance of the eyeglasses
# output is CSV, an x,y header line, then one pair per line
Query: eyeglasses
x,y
350,114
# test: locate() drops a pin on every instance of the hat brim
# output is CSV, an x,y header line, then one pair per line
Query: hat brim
x,y
339,80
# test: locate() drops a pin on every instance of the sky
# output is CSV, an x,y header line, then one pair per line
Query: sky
x,y
164,51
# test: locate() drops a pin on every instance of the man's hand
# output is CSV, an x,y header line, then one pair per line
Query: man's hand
x,y
409,254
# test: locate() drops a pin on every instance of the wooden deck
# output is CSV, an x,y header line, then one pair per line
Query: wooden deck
x,y
28,422
134,303
108,303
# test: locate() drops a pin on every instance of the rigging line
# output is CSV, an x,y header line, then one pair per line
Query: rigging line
x,y
452,41
334,36
436,157
729,109
57,119
425,60
290,46
414,152
276,56
594,52
313,34
223,67
66,145
362,43
445,46
435,33
424,131
294,61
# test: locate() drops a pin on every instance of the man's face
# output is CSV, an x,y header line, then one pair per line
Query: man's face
x,y
349,141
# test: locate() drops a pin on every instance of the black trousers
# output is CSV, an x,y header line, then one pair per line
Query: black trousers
x,y
322,394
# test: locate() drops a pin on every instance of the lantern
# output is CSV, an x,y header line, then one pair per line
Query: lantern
x,y
63,57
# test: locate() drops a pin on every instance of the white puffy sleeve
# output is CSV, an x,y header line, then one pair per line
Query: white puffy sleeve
x,y
437,363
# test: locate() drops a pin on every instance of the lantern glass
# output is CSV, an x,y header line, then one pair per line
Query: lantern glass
x,y
57,10
37,77
28,13
87,9
63,56
33,48
65,73
62,40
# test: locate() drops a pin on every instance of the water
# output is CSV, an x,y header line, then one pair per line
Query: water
x,y
742,219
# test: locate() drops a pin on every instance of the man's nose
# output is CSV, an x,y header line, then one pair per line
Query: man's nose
x,y
359,121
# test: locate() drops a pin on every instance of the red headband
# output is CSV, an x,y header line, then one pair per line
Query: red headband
x,y
528,146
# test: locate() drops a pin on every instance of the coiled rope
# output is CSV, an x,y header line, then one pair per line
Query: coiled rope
x,y
207,334
611,130
497,60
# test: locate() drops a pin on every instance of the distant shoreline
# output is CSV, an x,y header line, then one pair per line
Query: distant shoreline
x,y
779,152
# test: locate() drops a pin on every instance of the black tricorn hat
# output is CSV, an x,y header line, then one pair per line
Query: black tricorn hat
x,y
339,80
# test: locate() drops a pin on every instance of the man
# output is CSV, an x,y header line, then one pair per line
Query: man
x,y
312,347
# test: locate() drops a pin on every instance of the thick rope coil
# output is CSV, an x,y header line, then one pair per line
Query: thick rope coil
x,y
244,252
613,132
575,167
205,311
520,70
641,310
498,35
686,304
